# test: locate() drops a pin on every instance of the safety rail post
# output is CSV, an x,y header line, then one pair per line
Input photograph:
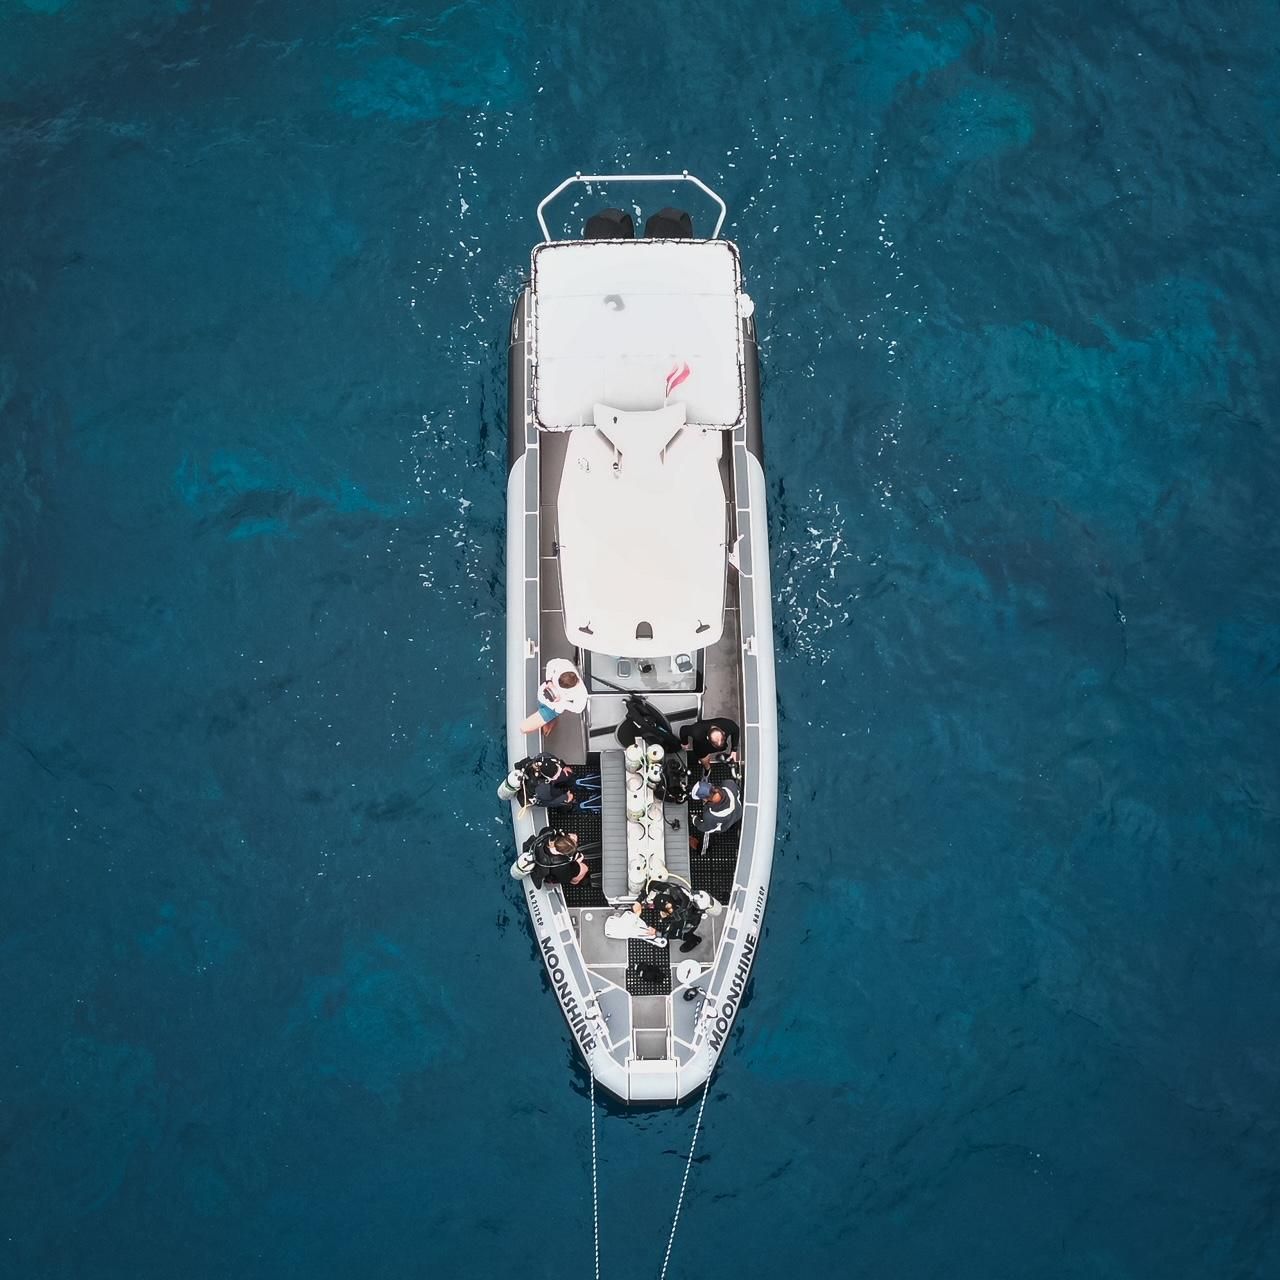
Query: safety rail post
x,y
683,176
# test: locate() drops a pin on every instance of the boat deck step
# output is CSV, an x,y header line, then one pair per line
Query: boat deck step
x,y
675,851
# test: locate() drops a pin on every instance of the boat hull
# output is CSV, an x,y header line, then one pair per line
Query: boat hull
x,y
600,1013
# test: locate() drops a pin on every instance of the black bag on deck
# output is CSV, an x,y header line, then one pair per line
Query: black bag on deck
x,y
645,722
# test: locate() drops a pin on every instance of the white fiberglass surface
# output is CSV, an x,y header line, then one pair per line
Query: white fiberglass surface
x,y
620,322
641,531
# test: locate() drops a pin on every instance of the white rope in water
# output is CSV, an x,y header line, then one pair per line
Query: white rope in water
x,y
595,1193
684,1182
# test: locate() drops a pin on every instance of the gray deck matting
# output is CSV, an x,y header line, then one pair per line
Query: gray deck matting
x,y
613,795
675,841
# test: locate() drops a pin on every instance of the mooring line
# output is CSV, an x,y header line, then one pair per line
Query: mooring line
x,y
684,1182
595,1193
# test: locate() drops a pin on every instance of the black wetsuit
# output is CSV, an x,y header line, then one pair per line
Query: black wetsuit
x,y
554,793
536,774
550,866
685,916
698,736
645,723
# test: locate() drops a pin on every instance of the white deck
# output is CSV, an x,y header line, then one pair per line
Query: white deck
x,y
611,320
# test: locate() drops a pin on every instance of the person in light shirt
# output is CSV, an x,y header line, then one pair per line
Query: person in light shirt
x,y
562,691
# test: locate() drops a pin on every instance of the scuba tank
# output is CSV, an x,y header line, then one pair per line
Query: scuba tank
x,y
510,786
653,774
655,753
637,804
634,756
522,867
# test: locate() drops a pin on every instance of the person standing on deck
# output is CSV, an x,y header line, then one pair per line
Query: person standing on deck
x,y
706,738
722,809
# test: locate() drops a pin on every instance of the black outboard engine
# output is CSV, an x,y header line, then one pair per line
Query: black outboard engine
x,y
609,224
669,224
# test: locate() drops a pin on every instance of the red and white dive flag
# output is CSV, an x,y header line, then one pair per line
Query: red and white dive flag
x,y
677,375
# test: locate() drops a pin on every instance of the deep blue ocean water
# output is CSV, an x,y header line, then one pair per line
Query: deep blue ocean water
x,y
270,1005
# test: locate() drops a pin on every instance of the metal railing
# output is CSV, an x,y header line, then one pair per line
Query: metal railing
x,y
683,176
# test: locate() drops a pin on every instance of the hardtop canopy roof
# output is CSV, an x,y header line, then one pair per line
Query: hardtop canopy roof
x,y
641,522
626,322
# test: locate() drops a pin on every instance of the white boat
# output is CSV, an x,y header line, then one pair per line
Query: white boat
x,y
637,550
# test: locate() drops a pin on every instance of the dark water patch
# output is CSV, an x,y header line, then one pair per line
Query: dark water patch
x,y
274,1008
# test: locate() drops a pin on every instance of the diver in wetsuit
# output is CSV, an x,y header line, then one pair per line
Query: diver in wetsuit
x,y
564,786
678,914
545,780
556,858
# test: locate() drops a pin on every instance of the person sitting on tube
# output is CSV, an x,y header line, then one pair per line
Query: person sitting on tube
x,y
549,782
562,690
556,858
